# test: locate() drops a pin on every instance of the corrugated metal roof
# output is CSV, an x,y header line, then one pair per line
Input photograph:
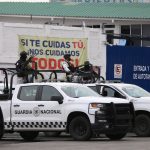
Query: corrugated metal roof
x,y
86,10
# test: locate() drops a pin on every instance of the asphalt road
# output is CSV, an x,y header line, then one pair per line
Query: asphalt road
x,y
65,142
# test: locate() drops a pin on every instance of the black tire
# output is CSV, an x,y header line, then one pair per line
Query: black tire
x,y
29,135
80,128
1,125
142,125
52,134
1,132
117,136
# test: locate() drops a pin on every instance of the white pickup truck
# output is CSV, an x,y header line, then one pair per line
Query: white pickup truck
x,y
131,93
69,107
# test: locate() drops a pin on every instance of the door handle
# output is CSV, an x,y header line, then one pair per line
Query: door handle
x,y
41,105
16,105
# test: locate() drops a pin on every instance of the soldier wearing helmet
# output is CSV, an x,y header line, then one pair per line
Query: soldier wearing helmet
x,y
87,66
23,67
23,55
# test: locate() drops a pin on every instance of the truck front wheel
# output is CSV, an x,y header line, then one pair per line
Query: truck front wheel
x,y
1,132
117,136
80,128
29,135
142,125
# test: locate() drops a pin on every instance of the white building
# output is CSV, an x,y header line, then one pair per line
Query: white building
x,y
132,19
113,18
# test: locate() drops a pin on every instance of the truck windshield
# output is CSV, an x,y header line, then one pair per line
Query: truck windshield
x,y
78,91
135,91
93,88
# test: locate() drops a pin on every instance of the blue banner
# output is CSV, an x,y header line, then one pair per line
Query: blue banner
x,y
129,65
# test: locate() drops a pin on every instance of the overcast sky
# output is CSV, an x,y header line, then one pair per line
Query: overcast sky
x,y
24,0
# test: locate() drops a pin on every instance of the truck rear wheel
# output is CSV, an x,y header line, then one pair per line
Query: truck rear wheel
x,y
29,135
80,128
1,124
116,136
142,125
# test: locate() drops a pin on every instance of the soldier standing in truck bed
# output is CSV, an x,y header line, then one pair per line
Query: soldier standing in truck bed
x,y
23,67
67,66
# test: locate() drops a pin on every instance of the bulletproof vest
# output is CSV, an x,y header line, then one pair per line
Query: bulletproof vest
x,y
20,68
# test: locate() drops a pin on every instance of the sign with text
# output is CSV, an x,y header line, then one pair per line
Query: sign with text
x,y
129,64
118,71
48,52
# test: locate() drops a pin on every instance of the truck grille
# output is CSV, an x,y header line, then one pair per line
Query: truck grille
x,y
117,114
122,109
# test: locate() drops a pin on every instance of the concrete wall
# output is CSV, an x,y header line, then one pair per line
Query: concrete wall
x,y
9,42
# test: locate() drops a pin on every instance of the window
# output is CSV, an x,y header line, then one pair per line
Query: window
x,y
79,91
146,33
109,32
107,91
135,91
125,29
48,92
109,26
76,25
88,26
28,93
96,26
93,88
110,92
136,31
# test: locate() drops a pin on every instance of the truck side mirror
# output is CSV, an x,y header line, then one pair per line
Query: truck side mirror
x,y
59,99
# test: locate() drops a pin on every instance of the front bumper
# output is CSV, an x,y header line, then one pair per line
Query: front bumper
x,y
116,118
106,128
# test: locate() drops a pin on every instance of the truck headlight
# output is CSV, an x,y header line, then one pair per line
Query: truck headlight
x,y
96,107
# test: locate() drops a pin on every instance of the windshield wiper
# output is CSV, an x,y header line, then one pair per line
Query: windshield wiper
x,y
137,96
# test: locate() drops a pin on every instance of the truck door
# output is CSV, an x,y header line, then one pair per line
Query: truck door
x,y
34,110
25,108
52,113
111,92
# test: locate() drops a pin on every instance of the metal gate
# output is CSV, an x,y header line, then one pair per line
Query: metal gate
x,y
129,65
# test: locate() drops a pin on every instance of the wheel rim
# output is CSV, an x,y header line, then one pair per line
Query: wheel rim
x,y
80,129
142,125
